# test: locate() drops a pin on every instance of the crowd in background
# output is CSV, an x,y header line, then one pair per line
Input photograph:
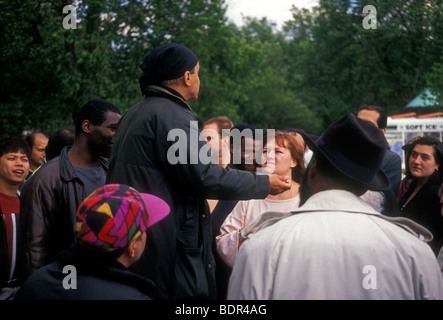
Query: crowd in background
x,y
300,205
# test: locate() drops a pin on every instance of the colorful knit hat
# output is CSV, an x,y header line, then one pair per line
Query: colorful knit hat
x,y
114,215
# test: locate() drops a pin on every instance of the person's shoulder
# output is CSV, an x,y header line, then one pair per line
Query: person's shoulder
x,y
391,155
166,112
101,288
407,235
48,166
277,227
48,276
46,178
47,172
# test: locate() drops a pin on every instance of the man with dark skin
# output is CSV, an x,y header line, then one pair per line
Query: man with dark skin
x,y
51,197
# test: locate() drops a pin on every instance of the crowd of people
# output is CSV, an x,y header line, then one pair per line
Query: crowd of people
x,y
129,204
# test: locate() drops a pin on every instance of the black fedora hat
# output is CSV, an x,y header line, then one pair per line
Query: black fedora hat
x,y
356,148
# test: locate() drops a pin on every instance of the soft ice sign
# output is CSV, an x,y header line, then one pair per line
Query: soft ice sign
x,y
420,127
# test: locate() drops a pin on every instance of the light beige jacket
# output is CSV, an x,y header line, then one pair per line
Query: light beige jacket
x,y
336,246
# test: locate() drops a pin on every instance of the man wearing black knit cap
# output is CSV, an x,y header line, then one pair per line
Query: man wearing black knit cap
x,y
179,257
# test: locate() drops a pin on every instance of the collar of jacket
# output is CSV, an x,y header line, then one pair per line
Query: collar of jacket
x,y
345,201
167,93
433,182
67,171
341,201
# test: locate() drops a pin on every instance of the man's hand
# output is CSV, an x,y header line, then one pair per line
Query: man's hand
x,y
278,184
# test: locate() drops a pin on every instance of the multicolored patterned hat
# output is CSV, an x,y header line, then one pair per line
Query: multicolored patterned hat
x,y
114,215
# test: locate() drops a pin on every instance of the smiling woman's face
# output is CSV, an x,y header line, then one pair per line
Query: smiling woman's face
x,y
277,159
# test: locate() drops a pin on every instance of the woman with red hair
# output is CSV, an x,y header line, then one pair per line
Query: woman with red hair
x,y
282,155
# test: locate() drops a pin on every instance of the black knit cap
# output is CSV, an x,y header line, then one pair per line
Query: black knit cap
x,y
166,62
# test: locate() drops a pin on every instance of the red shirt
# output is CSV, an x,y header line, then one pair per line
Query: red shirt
x,y
10,207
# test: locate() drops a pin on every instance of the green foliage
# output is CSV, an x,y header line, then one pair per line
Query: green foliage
x,y
340,66
323,65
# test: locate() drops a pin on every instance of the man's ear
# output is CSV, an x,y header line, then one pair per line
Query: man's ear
x,y
187,78
383,130
87,126
130,249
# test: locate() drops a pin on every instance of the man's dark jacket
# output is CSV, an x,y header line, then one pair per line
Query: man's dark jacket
x,y
178,255
48,210
391,166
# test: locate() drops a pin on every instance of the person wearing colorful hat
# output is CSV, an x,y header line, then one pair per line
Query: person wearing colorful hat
x,y
111,228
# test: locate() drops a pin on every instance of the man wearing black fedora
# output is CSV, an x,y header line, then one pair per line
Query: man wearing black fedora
x,y
336,246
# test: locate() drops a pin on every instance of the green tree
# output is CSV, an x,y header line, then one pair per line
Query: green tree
x,y
324,64
49,72
339,65
246,79
270,101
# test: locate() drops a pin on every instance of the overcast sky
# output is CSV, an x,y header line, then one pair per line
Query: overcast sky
x,y
274,10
